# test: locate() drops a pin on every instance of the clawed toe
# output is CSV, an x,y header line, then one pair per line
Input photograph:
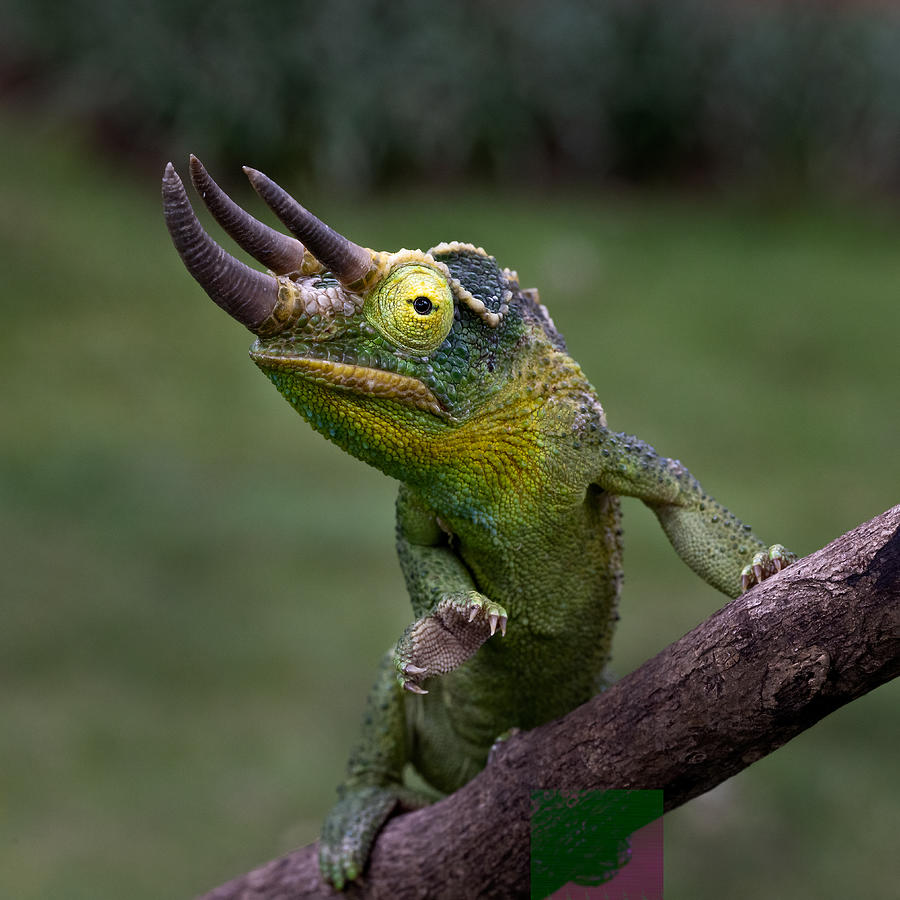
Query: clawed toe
x,y
765,564
439,642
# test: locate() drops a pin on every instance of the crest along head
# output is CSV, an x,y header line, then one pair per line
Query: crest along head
x,y
385,353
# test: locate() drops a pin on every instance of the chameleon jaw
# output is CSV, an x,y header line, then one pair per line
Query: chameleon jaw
x,y
375,383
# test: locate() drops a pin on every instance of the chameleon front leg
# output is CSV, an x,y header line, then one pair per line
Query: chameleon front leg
x,y
712,541
453,619
374,785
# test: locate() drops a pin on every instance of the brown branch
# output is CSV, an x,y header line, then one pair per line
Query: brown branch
x,y
755,674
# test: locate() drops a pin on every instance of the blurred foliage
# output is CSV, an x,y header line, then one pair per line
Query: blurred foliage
x,y
356,92
196,588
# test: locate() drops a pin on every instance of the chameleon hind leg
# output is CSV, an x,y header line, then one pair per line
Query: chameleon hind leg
x,y
374,784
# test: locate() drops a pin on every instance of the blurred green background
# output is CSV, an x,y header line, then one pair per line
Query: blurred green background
x,y
195,588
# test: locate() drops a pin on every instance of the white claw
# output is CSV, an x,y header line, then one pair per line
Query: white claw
x,y
778,563
473,613
745,581
414,688
493,618
758,572
503,626
410,669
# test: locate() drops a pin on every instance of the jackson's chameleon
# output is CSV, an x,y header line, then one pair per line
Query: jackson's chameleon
x,y
438,369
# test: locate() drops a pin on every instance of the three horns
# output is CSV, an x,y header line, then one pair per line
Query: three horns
x,y
244,293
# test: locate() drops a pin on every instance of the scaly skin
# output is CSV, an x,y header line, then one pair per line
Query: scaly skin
x,y
508,522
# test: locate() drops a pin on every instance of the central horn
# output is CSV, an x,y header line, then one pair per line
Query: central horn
x,y
245,294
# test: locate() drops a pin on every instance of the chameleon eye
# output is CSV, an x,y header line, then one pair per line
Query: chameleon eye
x,y
412,307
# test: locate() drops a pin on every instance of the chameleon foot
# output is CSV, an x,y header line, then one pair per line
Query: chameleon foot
x,y
765,564
350,830
353,824
438,643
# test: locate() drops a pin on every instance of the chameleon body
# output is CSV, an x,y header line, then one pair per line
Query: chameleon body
x,y
438,369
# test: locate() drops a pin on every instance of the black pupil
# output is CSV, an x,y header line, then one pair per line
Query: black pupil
x,y
422,305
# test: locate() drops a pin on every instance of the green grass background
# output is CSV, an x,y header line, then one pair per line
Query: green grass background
x,y
195,588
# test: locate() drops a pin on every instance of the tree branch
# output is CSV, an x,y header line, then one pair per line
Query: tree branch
x,y
755,674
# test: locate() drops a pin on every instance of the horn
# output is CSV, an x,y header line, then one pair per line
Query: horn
x,y
245,294
348,261
276,251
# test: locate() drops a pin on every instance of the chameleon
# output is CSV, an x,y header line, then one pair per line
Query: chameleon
x,y
437,368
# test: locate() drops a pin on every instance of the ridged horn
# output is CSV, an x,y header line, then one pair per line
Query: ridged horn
x,y
245,294
348,261
276,251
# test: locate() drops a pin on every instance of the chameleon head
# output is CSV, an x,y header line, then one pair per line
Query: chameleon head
x,y
385,353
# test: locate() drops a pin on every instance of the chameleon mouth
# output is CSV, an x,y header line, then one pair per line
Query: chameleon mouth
x,y
374,383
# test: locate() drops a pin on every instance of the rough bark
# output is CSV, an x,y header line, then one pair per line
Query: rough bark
x,y
755,674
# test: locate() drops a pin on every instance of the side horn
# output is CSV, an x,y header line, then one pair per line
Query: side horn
x,y
245,294
348,261
276,251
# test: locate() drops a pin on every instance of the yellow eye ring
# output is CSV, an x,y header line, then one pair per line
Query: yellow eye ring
x,y
412,307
